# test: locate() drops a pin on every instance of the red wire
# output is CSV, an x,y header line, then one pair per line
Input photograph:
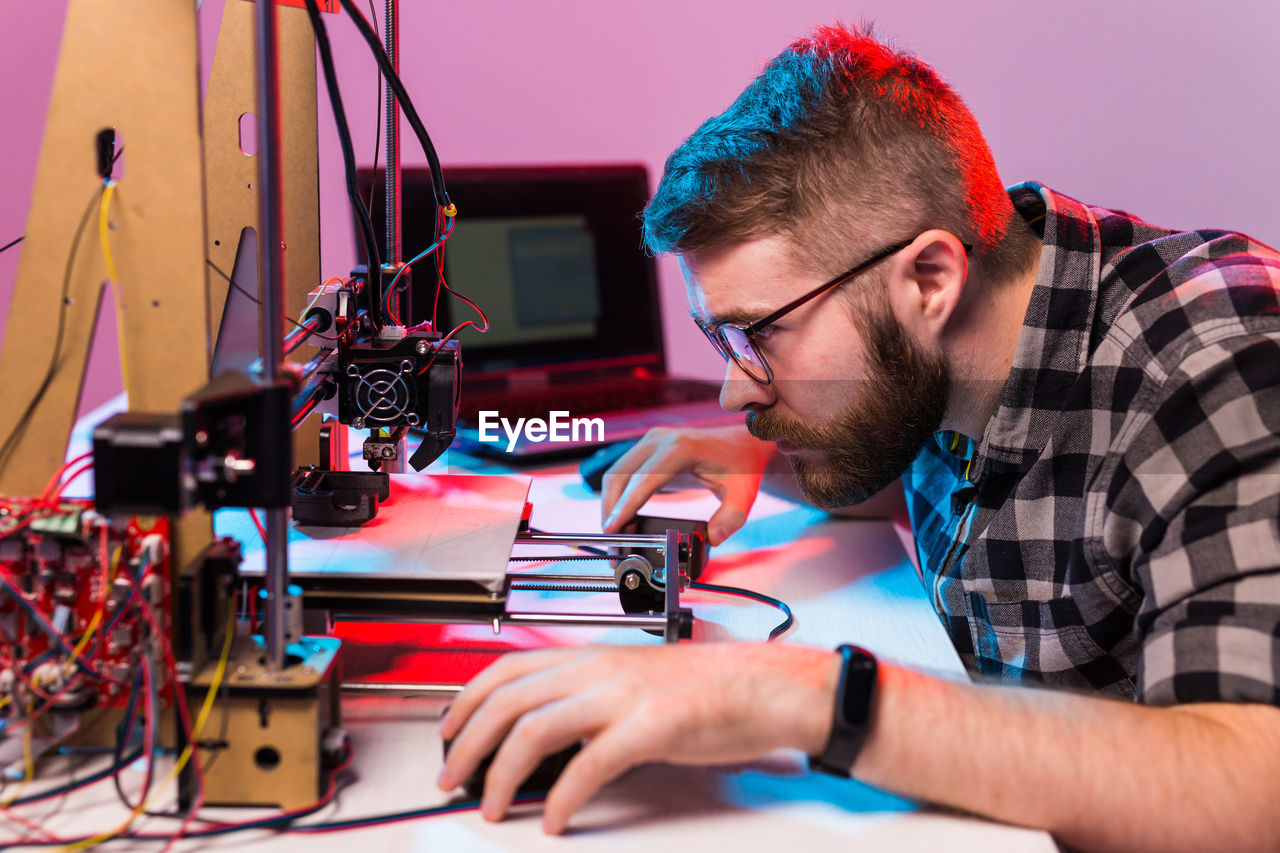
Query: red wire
x,y
53,481
439,258
262,531
440,345
31,826
180,700
222,828
57,496
435,304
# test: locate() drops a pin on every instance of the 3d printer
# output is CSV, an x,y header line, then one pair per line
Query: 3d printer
x,y
379,364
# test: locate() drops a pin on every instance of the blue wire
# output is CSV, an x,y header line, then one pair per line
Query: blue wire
x,y
436,245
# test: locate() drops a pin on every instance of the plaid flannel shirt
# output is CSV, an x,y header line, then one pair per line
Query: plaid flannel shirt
x,y
1115,530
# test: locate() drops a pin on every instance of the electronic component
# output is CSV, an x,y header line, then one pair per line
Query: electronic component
x,y
76,593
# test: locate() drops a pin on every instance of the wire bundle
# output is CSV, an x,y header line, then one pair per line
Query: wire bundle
x,y
50,661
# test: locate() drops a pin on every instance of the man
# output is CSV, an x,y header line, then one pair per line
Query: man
x,y
1081,411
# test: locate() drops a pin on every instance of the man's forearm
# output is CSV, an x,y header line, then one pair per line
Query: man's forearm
x,y
1099,774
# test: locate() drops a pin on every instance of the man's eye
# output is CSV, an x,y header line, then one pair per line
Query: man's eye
x,y
767,332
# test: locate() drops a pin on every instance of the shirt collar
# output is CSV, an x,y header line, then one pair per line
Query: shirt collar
x,y
1053,346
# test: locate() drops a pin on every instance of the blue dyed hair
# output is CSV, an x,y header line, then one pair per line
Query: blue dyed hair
x,y
841,143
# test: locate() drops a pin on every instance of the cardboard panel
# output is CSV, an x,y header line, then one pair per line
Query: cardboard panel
x,y
143,82
231,176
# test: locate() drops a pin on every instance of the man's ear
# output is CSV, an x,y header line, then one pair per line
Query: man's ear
x,y
925,282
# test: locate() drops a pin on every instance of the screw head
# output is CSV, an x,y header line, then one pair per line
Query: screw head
x,y
358,423
388,451
422,347
631,580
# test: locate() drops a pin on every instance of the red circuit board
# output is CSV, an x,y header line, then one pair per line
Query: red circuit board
x,y
91,581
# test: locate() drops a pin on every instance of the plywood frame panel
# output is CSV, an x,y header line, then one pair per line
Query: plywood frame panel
x,y
231,176
133,67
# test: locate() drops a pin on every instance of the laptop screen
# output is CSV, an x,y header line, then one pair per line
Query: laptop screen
x,y
553,256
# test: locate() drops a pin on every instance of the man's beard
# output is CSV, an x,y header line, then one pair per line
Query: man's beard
x,y
880,431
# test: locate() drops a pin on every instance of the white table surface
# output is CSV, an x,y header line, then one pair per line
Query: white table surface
x,y
846,581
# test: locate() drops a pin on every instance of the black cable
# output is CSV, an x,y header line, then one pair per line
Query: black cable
x,y
20,426
377,133
7,246
114,768
256,301
286,823
150,748
406,104
778,629
344,136
236,285
124,734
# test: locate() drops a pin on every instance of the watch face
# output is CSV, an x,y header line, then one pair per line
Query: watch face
x,y
860,680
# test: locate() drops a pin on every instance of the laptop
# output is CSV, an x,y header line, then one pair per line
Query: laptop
x,y
573,358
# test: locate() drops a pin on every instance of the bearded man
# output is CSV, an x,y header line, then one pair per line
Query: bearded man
x,y
1079,411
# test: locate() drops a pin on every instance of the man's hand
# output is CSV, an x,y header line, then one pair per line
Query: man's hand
x,y
729,460
705,704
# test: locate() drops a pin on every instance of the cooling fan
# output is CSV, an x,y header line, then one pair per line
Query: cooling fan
x,y
411,382
383,393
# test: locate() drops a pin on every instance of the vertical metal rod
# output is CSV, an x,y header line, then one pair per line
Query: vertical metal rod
x,y
394,253
671,592
391,35
271,276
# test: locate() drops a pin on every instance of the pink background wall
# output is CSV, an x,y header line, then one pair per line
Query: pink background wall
x,y
1168,109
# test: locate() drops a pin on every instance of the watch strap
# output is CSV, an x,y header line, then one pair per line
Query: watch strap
x,y
851,718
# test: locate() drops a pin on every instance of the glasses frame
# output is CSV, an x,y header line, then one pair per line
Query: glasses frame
x,y
715,333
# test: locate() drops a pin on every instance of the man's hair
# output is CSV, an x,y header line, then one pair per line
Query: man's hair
x,y
842,145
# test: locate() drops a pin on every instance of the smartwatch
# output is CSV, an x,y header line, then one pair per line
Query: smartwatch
x,y
851,719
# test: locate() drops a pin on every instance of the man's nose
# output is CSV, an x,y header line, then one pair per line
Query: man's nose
x,y
740,393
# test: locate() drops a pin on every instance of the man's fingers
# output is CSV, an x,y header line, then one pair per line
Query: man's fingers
x,y
611,753
737,493
656,472
507,668
493,720
538,734
616,478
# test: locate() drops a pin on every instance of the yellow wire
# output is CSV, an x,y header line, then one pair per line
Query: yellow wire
x,y
28,758
104,211
97,616
203,716
319,292
93,624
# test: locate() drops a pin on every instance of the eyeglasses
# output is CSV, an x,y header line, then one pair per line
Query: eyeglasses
x,y
737,342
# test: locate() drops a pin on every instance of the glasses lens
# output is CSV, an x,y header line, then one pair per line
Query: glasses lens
x,y
740,348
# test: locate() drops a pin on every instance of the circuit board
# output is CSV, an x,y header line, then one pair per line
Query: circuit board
x,y
82,599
